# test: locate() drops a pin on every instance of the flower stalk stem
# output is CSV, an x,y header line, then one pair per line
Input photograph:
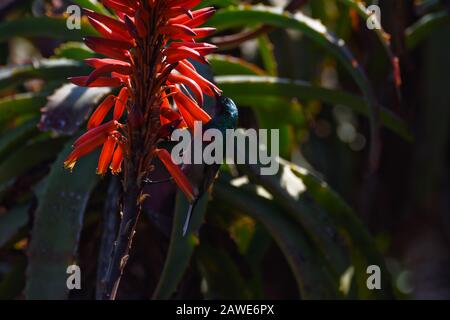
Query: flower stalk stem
x,y
131,210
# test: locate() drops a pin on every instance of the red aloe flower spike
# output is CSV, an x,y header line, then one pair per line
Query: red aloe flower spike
x,y
176,78
188,119
116,163
121,103
146,46
102,130
106,155
180,178
99,82
100,113
170,114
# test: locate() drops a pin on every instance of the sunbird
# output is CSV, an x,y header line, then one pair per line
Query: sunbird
x,y
201,176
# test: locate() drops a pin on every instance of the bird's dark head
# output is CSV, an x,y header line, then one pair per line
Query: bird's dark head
x,y
227,108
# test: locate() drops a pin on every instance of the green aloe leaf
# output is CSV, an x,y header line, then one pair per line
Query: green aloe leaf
x,y
248,16
28,157
364,251
228,65
420,30
180,248
213,264
74,50
58,220
19,135
313,279
242,87
23,104
11,222
266,50
46,69
55,28
290,193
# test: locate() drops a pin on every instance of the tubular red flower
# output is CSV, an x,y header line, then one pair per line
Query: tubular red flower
x,y
82,149
180,178
100,113
99,82
207,87
107,69
102,130
177,31
199,17
116,163
203,32
117,27
107,49
121,103
194,110
201,47
98,63
177,78
181,53
106,155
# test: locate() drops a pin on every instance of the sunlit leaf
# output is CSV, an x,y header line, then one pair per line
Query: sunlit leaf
x,y
242,86
228,65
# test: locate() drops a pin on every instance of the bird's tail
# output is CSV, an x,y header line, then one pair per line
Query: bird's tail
x,y
188,216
